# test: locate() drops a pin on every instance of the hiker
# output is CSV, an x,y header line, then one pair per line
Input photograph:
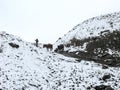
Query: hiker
x,y
36,42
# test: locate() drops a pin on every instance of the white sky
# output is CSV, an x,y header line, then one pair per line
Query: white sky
x,y
48,20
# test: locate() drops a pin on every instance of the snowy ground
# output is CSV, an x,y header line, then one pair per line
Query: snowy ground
x,y
33,68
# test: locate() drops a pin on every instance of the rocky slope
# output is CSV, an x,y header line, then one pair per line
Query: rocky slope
x,y
96,38
24,66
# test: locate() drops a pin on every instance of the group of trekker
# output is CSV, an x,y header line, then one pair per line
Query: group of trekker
x,y
50,46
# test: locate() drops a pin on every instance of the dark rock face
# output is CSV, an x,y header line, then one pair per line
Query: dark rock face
x,y
103,43
97,48
14,45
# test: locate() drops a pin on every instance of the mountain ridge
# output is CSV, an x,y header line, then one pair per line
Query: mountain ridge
x,y
96,39
99,23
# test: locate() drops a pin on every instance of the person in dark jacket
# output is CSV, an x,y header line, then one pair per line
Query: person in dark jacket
x,y
36,42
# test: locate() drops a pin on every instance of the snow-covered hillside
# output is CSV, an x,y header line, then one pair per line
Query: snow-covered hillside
x,y
97,38
92,27
27,67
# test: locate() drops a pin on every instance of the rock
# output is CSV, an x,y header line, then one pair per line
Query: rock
x,y
104,67
103,87
88,88
14,45
105,77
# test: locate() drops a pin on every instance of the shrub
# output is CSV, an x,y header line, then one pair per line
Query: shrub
x,y
75,42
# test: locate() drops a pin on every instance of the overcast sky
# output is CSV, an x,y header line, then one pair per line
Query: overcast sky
x,y
48,20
